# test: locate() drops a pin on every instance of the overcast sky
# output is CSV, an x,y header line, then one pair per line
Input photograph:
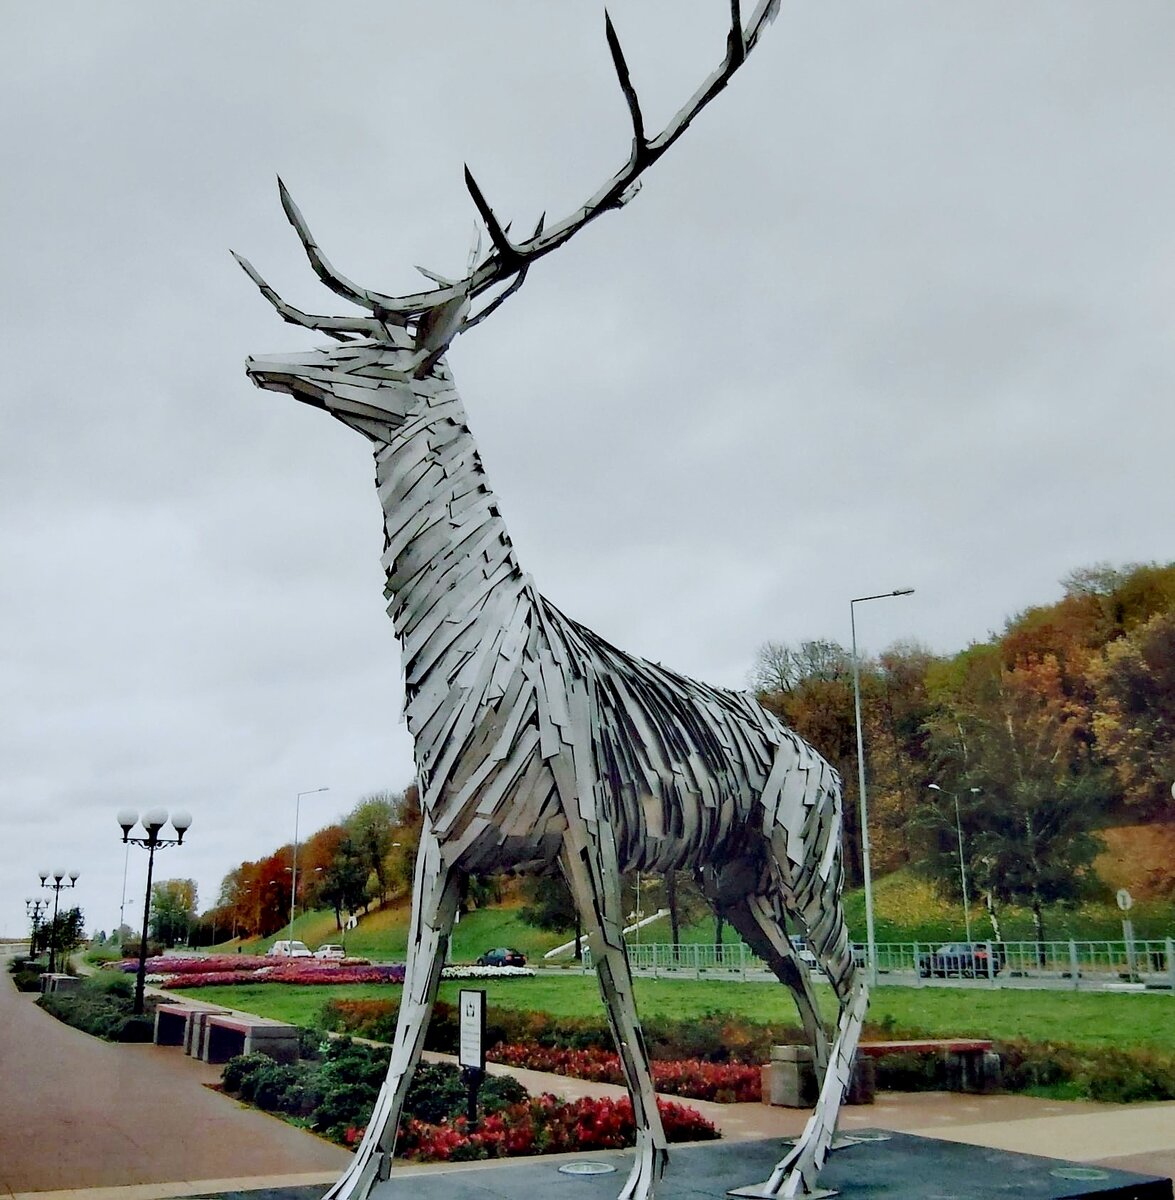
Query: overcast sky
x,y
898,311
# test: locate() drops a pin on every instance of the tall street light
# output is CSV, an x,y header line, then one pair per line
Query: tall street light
x,y
294,876
35,910
866,862
153,822
962,865
56,886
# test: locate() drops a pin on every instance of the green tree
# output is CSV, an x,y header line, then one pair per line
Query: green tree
x,y
1014,734
173,910
548,905
371,826
343,885
64,934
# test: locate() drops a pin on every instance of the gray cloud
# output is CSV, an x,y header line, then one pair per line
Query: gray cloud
x,y
897,311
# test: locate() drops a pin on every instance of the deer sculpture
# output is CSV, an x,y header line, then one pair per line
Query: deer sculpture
x,y
538,745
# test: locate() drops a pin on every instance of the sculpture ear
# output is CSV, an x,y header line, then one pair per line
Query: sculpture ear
x,y
439,326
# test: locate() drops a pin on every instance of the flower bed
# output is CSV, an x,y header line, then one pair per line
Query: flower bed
x,y
486,972
724,1082
193,971
544,1125
210,970
333,1091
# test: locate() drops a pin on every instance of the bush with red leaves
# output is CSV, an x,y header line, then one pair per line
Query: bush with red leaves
x,y
725,1082
544,1125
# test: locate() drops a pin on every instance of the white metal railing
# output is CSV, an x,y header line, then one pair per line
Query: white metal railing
x,y
1146,962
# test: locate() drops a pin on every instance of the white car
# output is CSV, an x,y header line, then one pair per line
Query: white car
x,y
334,953
290,950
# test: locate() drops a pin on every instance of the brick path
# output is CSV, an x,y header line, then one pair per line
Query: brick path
x,y
77,1112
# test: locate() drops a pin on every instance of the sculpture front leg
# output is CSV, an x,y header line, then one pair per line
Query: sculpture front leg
x,y
435,893
590,868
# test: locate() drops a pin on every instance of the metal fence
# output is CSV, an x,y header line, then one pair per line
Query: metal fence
x,y
1140,964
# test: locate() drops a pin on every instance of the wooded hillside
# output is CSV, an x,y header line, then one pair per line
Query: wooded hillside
x,y
1060,726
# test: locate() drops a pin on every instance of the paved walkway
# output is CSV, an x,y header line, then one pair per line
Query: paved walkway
x,y
78,1113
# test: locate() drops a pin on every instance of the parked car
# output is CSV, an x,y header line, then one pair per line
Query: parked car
x,y
330,951
502,957
965,959
290,950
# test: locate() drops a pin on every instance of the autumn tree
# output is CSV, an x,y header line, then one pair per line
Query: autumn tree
x,y
1134,682
780,667
402,859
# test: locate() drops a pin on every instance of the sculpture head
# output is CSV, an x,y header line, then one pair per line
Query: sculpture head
x,y
402,338
372,385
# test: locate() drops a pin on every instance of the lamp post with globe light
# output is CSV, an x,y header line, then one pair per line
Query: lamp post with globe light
x,y
153,822
56,886
35,910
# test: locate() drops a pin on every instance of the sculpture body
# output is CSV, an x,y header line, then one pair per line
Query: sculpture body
x,y
538,745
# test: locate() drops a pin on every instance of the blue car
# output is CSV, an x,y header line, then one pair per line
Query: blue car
x,y
502,957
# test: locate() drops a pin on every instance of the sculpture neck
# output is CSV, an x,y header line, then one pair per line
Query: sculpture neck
x,y
450,564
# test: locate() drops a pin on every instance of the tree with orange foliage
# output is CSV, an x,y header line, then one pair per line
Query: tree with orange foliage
x,y
1134,681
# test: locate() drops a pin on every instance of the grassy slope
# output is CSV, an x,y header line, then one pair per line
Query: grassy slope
x,y
1086,1019
383,934
907,909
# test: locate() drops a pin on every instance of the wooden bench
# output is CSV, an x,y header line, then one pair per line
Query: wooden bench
x,y
972,1063
229,1034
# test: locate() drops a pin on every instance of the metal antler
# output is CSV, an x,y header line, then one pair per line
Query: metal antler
x,y
507,258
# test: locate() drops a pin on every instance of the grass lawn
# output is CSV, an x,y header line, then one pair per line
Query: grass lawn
x,y
1082,1019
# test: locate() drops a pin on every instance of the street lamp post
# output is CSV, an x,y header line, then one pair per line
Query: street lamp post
x,y
866,866
35,910
294,877
962,865
153,822
56,886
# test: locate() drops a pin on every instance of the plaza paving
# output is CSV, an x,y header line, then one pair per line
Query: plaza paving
x,y
139,1122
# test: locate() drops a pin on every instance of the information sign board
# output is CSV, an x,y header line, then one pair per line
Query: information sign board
x,y
471,1043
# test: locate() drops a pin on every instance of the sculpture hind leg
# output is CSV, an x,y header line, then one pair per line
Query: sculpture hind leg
x,y
759,921
435,892
589,864
810,891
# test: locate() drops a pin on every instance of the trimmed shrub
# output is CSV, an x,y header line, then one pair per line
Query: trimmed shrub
x,y
1105,1073
106,1013
336,1096
237,1068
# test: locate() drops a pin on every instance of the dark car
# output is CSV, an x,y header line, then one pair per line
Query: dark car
x,y
502,957
965,959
